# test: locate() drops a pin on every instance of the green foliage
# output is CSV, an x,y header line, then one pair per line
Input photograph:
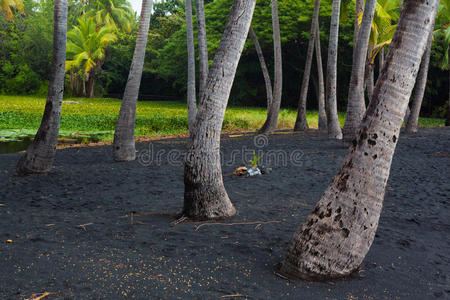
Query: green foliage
x,y
255,160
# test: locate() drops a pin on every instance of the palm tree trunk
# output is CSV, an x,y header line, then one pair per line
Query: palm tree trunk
x,y
369,80
202,46
356,105
264,69
301,123
90,86
334,128
191,98
321,98
40,154
205,196
358,10
124,146
412,121
272,113
381,61
337,235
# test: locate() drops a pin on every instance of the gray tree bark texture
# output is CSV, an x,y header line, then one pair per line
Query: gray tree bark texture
x,y
202,46
205,196
369,80
272,114
191,97
301,124
338,233
40,154
359,7
334,128
356,105
412,120
447,120
264,69
124,148
321,97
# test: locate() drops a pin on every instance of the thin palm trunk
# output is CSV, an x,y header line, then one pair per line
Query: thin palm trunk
x,y
338,233
447,121
412,120
40,154
191,98
369,81
301,123
205,196
202,46
380,61
321,98
264,69
359,7
124,148
356,105
334,128
272,114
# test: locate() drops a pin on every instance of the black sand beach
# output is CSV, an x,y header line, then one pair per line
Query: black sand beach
x,y
71,233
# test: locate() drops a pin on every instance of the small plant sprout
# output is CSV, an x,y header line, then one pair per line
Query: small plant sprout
x,y
255,160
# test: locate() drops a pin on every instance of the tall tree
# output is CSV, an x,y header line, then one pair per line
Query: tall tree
x,y
356,105
264,69
117,14
205,196
191,97
5,8
301,123
334,128
124,146
40,154
337,235
412,120
202,46
321,98
272,113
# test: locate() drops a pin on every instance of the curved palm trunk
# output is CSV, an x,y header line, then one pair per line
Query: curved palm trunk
x,y
205,196
334,128
358,10
356,105
191,99
301,123
272,113
337,235
40,154
124,146
321,98
412,120
264,69
202,46
380,61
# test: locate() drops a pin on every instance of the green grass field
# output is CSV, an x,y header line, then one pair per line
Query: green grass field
x,y
95,118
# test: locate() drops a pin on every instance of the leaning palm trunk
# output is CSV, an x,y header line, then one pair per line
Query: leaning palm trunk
x,y
124,146
412,120
202,46
334,128
191,98
337,235
264,69
272,113
205,196
40,154
321,97
358,10
301,123
356,105
447,120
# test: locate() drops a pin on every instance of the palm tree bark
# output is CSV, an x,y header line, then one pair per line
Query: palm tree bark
x,y
447,121
369,80
124,146
40,154
301,123
358,10
191,98
272,113
202,46
412,121
264,69
205,196
356,105
321,98
337,235
334,128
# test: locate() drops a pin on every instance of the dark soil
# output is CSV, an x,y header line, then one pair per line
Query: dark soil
x,y
150,256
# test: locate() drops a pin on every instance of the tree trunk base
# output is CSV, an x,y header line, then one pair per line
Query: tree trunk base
x,y
124,151
292,272
301,126
207,202
31,164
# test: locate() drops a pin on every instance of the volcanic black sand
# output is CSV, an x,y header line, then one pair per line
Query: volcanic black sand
x,y
71,233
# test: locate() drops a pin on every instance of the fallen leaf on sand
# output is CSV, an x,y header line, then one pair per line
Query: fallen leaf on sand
x,y
9,241
240,171
38,296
